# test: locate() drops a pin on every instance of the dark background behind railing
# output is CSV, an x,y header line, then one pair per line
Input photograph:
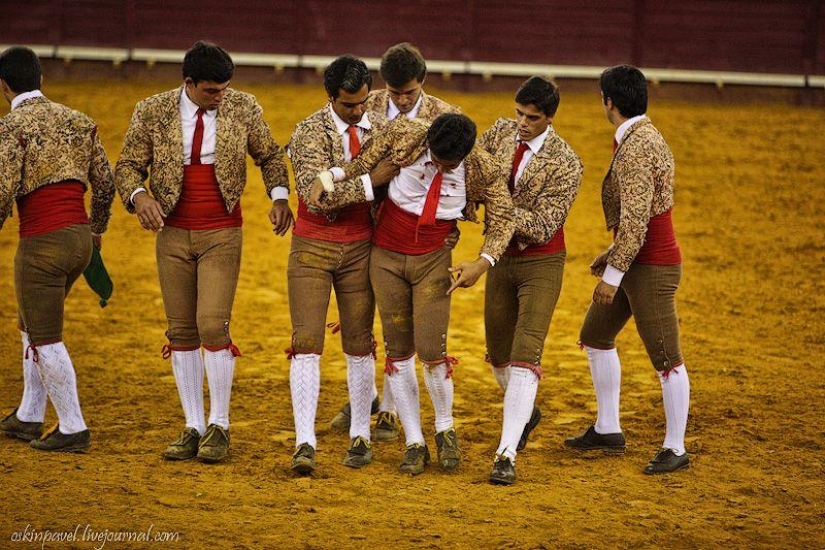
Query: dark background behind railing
x,y
765,36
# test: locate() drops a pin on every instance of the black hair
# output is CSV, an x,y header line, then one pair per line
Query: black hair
x,y
401,64
626,86
346,73
20,69
452,136
540,92
207,61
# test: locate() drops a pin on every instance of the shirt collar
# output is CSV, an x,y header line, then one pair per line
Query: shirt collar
x,y
393,111
342,126
536,143
625,126
190,108
20,98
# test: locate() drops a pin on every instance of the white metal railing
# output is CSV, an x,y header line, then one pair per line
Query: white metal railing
x,y
446,68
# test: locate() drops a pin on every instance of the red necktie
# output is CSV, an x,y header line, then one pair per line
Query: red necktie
x,y
522,147
615,145
431,203
197,139
354,144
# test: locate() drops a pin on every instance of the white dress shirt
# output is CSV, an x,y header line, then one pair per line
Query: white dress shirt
x,y
393,111
20,98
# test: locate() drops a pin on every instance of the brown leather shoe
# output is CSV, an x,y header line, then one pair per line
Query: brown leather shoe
x,y
504,472
184,447
54,440
415,458
359,453
303,460
387,426
449,455
14,427
214,445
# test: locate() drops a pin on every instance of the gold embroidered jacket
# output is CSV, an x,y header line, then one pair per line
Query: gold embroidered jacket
x,y
43,142
316,145
431,107
403,142
637,187
153,147
547,187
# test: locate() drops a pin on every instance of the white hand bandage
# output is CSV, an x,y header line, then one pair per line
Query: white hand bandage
x,y
326,181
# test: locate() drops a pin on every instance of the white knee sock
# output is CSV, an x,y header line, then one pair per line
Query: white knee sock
x,y
441,393
220,371
405,391
304,386
518,407
57,372
607,381
676,399
33,404
360,382
502,376
387,402
187,367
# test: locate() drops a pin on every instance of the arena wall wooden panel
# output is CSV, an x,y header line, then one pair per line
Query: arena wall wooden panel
x,y
769,36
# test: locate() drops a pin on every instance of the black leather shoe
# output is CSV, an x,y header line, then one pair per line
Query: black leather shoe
x,y
303,460
342,420
611,444
184,447
667,461
54,440
214,445
359,453
504,473
535,418
14,427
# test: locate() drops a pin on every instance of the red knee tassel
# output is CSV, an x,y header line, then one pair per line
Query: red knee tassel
x,y
166,351
233,349
374,348
334,327
450,360
389,367
35,355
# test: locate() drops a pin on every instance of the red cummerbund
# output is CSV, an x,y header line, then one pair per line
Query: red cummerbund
x,y
553,246
52,207
660,246
352,223
201,204
398,231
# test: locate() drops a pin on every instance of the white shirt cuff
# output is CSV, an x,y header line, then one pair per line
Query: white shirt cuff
x,y
612,276
135,192
368,192
488,258
279,194
338,173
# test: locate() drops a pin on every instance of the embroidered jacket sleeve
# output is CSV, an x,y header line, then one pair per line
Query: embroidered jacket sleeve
x,y
132,168
402,141
102,183
642,174
11,170
487,183
263,149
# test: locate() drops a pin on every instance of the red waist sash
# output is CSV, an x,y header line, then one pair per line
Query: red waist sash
x,y
553,246
397,228
52,207
660,246
201,204
352,223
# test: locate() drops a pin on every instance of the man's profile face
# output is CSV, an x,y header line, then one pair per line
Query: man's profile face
x,y
206,94
350,106
406,96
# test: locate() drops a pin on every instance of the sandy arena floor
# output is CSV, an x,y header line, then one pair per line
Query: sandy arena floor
x,y
750,210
